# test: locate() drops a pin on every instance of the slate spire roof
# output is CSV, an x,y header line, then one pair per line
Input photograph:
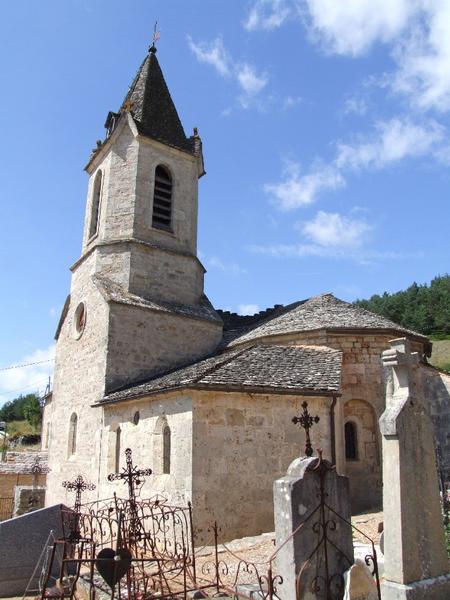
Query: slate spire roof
x,y
152,107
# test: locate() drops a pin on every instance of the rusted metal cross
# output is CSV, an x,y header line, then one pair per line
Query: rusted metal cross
x,y
306,421
133,477
78,485
36,469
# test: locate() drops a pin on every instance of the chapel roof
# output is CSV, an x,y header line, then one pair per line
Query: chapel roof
x,y
317,313
313,370
152,107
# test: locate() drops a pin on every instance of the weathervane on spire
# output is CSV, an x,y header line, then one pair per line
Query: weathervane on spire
x,y
155,38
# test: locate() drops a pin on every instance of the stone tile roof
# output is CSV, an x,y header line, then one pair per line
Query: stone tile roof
x,y
114,292
265,368
319,312
22,462
153,109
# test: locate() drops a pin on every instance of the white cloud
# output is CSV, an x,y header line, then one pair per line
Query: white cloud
x,y
249,80
291,101
297,190
245,75
268,14
248,309
216,263
333,230
416,31
390,142
351,27
361,256
25,380
423,58
356,106
212,53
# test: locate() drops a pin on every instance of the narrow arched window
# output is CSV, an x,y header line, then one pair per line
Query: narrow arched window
x,y
166,449
162,199
47,436
117,451
351,441
95,211
72,448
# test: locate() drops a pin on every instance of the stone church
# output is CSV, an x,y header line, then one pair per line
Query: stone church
x,y
203,397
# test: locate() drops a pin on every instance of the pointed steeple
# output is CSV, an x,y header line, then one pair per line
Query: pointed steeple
x,y
152,107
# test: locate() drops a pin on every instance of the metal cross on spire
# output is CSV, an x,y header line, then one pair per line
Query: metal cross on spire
x,y
133,477
306,421
155,38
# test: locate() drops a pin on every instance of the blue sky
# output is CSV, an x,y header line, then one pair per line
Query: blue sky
x,y
325,129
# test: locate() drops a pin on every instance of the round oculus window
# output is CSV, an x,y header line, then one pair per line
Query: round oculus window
x,y
80,320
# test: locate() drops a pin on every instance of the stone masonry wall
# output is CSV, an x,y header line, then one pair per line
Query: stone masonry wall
x,y
142,342
437,391
176,278
183,168
116,214
241,444
362,402
78,382
145,441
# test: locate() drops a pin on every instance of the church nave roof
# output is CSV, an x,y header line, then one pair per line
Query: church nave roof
x,y
261,368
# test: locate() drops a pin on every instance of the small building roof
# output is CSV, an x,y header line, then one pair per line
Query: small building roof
x,y
304,370
320,312
23,462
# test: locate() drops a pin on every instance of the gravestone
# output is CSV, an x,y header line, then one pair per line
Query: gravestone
x,y
297,501
359,583
28,498
416,563
22,540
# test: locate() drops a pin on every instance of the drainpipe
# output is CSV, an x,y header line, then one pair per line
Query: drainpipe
x,y
333,431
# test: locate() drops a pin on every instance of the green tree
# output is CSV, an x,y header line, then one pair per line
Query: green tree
x,y
32,410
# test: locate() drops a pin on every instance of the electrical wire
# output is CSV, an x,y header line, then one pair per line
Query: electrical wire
x,y
39,362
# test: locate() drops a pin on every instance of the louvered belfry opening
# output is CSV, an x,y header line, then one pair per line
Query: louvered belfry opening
x,y
162,199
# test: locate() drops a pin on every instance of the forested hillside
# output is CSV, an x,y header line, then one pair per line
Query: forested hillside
x,y
423,308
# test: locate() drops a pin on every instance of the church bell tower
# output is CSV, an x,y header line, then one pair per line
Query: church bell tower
x,y
136,306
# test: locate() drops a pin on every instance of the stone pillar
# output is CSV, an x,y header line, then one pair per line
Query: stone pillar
x,y
416,563
298,499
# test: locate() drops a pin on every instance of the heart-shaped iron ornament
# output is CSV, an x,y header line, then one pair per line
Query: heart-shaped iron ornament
x,y
113,564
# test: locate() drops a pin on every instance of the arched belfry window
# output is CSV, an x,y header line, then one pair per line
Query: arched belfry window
x,y
166,449
162,199
72,446
351,441
95,210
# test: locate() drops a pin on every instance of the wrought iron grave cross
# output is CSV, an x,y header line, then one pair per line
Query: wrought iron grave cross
x,y
36,470
133,477
78,486
306,421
